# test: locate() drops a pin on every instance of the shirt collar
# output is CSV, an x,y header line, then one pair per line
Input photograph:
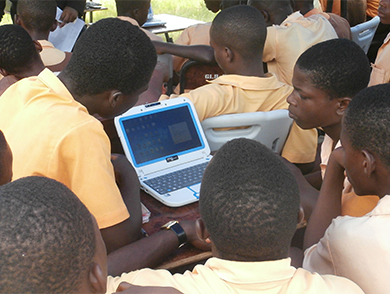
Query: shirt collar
x,y
268,82
240,272
382,208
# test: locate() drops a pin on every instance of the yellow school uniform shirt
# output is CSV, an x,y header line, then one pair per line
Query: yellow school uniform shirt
x,y
287,41
229,94
193,35
52,135
380,73
224,276
151,36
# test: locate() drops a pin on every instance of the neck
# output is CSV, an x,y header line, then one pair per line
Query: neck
x,y
39,35
34,70
333,132
253,67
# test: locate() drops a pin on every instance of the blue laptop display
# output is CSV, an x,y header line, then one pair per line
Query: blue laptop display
x,y
166,145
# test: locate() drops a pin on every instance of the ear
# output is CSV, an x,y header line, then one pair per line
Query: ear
x,y
301,215
3,72
201,231
54,26
114,97
266,16
369,163
17,20
229,54
38,46
97,280
342,105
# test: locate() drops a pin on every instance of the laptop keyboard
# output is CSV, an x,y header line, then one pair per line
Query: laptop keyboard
x,y
178,179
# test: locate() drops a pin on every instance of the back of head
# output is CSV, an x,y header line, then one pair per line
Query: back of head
x,y
37,15
229,3
249,202
125,7
111,55
240,28
367,121
338,66
270,5
47,237
17,49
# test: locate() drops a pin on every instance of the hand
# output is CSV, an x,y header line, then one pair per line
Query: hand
x,y
68,15
132,289
192,237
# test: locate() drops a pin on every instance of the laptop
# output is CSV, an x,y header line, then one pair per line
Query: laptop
x,y
167,147
153,21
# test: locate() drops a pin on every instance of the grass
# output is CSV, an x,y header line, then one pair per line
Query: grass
x,y
194,9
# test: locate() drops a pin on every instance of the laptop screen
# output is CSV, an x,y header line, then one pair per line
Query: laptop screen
x,y
162,134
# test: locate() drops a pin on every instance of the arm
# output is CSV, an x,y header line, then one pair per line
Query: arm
x,y
129,230
308,195
71,10
329,201
149,251
201,53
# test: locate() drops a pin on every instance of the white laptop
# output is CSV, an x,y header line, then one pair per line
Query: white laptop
x,y
167,147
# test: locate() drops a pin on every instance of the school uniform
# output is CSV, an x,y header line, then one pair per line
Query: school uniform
x,y
380,73
53,135
357,248
287,41
225,276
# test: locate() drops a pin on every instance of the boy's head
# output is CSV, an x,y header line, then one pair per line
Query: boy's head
x,y
274,12
384,11
213,5
365,137
238,30
113,59
229,3
37,16
5,161
249,203
326,77
137,9
49,242
18,52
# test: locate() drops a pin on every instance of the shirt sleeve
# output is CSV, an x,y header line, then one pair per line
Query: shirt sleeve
x,y
81,160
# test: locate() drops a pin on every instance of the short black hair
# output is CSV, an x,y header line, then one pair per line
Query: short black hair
x,y
269,5
125,6
37,15
249,201
229,3
17,49
111,55
241,28
339,67
367,121
47,237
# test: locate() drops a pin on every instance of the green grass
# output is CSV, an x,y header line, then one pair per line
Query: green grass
x,y
194,9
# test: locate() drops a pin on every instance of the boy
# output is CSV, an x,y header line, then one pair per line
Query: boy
x,y
381,69
249,222
289,35
356,247
49,125
19,57
326,77
237,36
38,18
49,242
